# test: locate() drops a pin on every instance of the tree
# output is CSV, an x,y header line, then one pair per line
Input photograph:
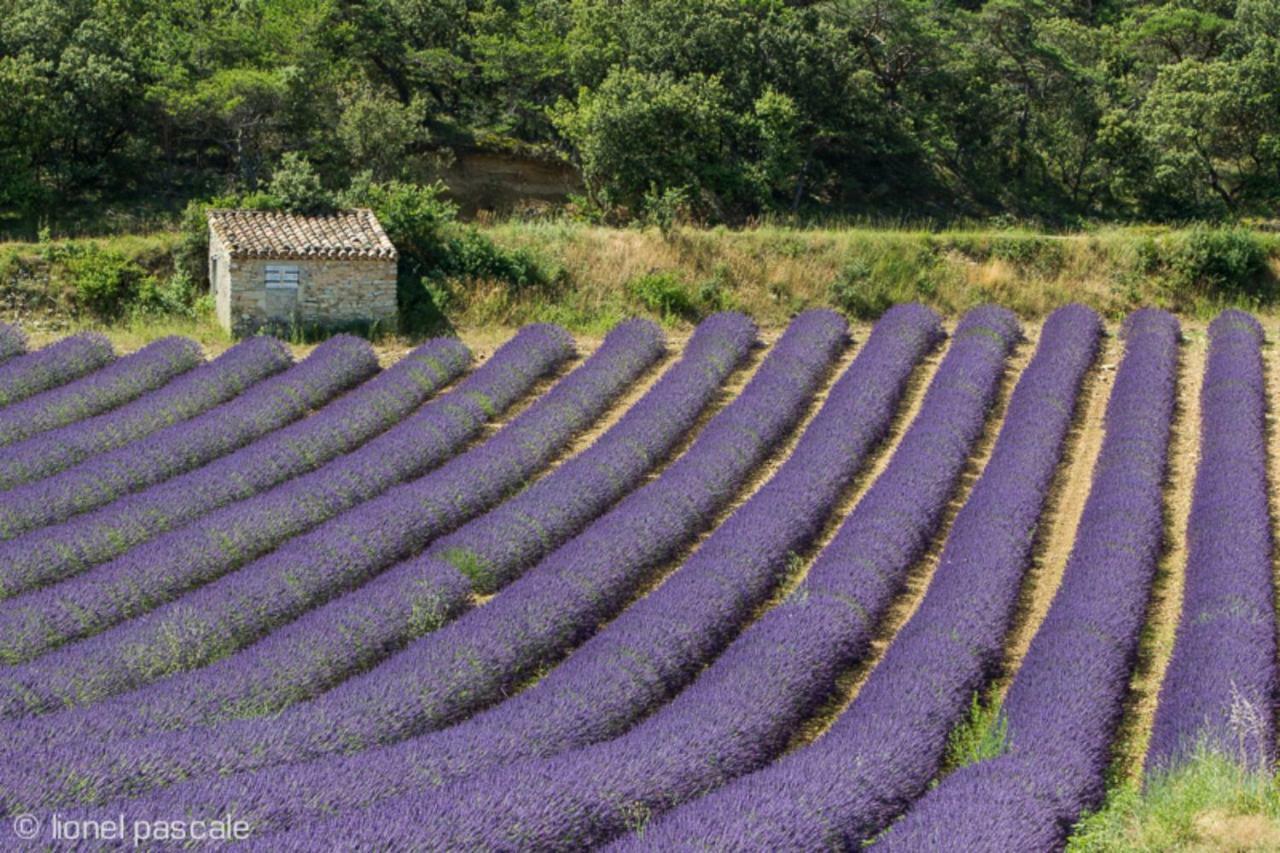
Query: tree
x,y
641,134
379,133
296,187
1216,128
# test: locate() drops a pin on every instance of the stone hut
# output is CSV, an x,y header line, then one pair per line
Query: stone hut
x,y
271,267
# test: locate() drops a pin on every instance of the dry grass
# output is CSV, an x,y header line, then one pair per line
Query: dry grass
x,y
772,272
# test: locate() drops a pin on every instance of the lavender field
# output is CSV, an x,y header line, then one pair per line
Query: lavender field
x,y
915,585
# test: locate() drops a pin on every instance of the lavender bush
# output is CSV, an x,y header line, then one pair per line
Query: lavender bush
x,y
53,553
56,364
1220,687
1067,698
471,661
222,616
192,393
599,690
351,632
742,709
123,380
332,368
886,747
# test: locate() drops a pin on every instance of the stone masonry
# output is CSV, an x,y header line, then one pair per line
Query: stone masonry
x,y
344,265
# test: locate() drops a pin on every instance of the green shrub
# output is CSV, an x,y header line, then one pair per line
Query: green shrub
x,y
470,254
105,281
1028,252
1222,261
859,292
664,294
666,208
713,294
982,735
176,296
296,186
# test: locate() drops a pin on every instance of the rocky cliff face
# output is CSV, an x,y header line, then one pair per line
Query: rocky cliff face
x,y
507,182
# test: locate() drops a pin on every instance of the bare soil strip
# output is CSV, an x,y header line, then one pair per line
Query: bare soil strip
x,y
1056,533
1156,645
535,393
877,460
728,391
617,409
851,680
763,472
754,482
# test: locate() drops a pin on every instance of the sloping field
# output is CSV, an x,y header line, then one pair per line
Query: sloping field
x,y
923,585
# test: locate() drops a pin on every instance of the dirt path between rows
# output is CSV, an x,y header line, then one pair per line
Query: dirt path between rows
x,y
1056,533
1129,748
729,392
919,576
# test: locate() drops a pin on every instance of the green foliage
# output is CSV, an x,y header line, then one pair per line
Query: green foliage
x,y
469,254
1208,803
704,110
176,296
436,250
665,294
104,280
641,136
1229,262
296,187
1042,254
883,273
667,208
668,295
379,133
983,734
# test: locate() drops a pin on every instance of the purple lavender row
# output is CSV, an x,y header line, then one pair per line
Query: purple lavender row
x,y
12,342
488,552
1218,690
273,403
600,690
39,620
118,383
54,365
191,394
741,710
223,616
473,660
52,553
886,747
354,631
1067,698
214,544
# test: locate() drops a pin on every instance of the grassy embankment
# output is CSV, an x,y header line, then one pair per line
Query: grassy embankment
x,y
592,276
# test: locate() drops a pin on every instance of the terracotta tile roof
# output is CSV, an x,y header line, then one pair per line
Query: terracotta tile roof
x,y
278,234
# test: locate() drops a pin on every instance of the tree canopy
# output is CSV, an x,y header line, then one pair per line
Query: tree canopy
x,y
1055,110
